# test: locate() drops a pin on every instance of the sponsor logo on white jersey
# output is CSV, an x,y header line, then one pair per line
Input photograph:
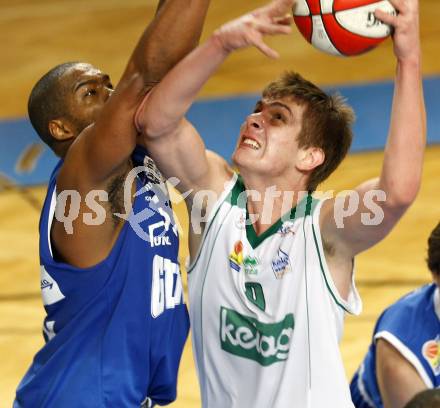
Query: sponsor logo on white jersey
x,y
245,336
287,229
281,264
240,222
166,287
251,265
50,290
236,256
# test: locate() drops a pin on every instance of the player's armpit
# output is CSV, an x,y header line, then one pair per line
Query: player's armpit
x,y
202,203
397,378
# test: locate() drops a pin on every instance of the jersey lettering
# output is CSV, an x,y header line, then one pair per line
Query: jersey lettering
x,y
158,239
166,290
254,292
50,290
244,336
49,329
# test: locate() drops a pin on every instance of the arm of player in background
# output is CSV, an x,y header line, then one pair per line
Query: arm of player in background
x,y
172,34
403,160
174,31
397,378
171,140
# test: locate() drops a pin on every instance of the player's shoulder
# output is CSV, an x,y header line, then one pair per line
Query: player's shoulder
x,y
410,310
327,207
77,170
414,300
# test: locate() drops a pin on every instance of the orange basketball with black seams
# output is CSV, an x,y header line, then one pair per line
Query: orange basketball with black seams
x,y
342,27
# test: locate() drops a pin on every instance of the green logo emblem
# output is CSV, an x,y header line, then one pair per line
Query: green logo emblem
x,y
244,336
250,265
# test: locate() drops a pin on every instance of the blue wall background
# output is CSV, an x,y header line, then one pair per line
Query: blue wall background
x,y
218,120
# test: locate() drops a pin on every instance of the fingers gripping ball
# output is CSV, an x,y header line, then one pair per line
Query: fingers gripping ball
x,y
342,27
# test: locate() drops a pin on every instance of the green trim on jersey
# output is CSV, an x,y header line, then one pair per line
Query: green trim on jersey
x,y
256,240
335,298
308,212
236,191
310,204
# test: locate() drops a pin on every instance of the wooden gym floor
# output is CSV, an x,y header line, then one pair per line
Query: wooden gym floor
x,y
37,34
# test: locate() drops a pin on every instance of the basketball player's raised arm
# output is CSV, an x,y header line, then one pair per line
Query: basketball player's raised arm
x,y
172,34
401,173
174,31
172,141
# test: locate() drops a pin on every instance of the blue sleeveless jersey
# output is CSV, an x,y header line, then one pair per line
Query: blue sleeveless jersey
x,y
114,332
412,326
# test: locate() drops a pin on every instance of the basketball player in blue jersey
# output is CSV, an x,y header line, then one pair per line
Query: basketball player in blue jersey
x,y
116,322
269,284
404,358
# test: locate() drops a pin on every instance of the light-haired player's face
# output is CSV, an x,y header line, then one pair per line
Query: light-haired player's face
x,y
86,91
268,138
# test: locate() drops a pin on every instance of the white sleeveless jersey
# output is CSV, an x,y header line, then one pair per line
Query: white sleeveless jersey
x,y
265,314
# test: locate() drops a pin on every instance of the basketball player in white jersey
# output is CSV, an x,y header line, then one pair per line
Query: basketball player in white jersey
x,y
271,272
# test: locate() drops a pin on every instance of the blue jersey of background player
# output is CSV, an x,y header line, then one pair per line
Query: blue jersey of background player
x,y
115,324
404,358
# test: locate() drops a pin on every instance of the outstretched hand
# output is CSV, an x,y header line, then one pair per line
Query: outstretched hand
x,y
249,30
406,35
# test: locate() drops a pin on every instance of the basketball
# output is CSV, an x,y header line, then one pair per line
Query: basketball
x,y
342,27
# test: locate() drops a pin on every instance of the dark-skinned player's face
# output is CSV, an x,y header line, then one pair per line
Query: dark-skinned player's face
x,y
86,89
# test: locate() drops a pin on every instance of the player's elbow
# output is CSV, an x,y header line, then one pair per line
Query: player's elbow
x,y
156,129
405,196
151,120
402,193
148,123
149,131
